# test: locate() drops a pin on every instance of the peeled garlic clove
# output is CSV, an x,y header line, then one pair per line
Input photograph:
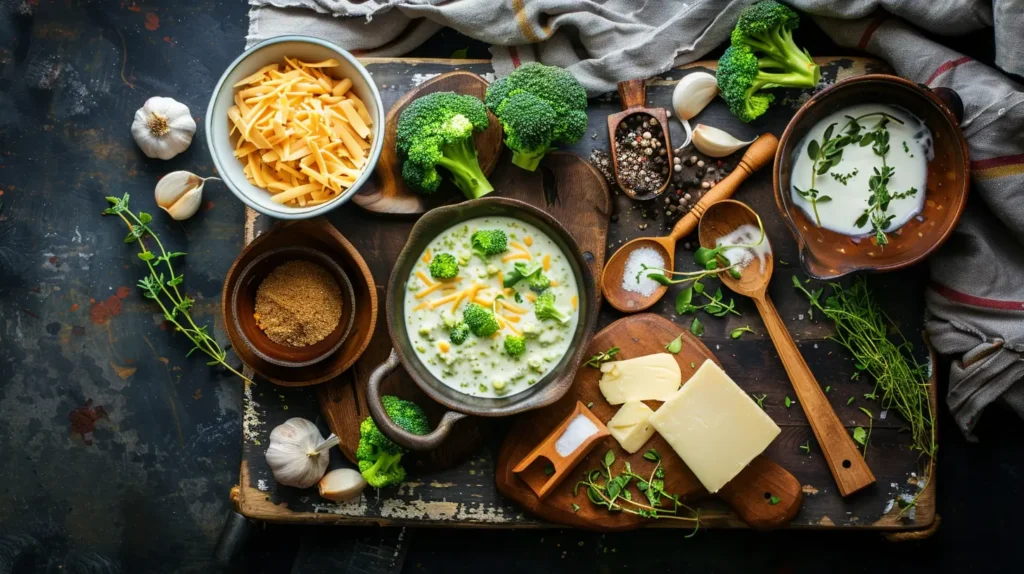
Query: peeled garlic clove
x,y
180,193
693,93
714,142
342,484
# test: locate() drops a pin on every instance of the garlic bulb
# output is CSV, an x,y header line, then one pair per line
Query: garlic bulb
x,y
715,142
180,193
693,93
342,484
163,128
298,453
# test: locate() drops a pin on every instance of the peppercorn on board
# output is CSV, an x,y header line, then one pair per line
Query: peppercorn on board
x,y
457,486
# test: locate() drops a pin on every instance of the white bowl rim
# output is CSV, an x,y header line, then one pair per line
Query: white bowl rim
x,y
375,149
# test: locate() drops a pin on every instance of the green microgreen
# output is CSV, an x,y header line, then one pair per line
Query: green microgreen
x,y
602,357
759,399
675,345
738,332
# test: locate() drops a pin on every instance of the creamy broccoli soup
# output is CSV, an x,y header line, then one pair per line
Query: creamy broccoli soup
x,y
491,306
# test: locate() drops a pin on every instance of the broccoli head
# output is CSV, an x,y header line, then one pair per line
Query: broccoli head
x,y
379,456
544,308
480,320
515,346
538,282
444,266
538,106
459,334
520,271
763,55
487,242
436,130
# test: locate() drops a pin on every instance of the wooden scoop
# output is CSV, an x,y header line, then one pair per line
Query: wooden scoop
x,y
759,154
633,95
843,456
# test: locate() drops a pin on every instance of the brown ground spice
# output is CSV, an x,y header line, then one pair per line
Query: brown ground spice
x,y
298,304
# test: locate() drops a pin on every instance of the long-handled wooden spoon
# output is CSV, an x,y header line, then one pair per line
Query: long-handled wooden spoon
x,y
843,456
759,154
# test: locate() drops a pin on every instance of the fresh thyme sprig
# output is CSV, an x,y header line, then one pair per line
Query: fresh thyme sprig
x,y
164,290
878,185
602,357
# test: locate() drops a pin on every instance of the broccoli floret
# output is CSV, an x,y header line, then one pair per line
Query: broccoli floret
x,y
515,346
379,456
459,334
480,320
520,271
544,308
487,242
444,266
437,130
448,320
538,106
538,282
763,55
534,363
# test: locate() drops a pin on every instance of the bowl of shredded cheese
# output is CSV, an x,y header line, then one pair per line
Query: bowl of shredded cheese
x,y
295,127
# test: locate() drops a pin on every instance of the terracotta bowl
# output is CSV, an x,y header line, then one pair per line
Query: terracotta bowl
x,y
826,254
307,239
546,391
243,300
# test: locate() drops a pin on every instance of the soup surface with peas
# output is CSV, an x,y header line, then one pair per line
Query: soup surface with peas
x,y
491,322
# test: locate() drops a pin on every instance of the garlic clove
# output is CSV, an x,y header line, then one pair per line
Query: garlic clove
x,y
693,93
342,484
714,142
298,453
180,193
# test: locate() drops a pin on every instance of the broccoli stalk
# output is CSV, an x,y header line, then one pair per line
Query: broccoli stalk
x,y
544,308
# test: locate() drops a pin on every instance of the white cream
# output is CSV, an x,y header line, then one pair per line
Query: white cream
x,y
743,245
858,163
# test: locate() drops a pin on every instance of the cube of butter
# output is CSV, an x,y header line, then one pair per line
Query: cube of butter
x,y
715,427
631,426
649,378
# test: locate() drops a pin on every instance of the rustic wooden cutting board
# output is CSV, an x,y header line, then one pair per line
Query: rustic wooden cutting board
x,y
749,494
565,186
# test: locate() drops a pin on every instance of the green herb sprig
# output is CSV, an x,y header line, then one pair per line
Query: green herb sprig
x,y
602,357
716,305
878,185
163,289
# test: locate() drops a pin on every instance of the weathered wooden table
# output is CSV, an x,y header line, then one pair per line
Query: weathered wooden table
x,y
466,496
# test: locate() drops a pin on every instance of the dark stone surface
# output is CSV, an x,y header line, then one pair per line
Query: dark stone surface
x,y
117,453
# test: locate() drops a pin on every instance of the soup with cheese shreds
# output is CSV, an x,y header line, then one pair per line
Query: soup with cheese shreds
x,y
526,294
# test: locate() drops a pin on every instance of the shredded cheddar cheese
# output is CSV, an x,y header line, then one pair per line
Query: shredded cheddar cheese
x,y
425,279
528,240
546,261
515,256
575,302
443,346
426,256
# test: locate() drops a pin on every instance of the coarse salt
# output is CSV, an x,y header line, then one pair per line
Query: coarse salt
x,y
638,258
579,430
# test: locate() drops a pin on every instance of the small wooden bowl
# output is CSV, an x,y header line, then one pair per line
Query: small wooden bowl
x,y
826,254
318,235
243,301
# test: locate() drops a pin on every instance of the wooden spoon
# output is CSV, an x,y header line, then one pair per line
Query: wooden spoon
x,y
758,155
633,95
843,456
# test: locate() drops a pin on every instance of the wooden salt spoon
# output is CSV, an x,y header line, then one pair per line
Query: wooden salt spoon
x,y
634,95
843,456
759,154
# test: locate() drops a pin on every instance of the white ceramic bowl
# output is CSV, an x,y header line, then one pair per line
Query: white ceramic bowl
x,y
272,51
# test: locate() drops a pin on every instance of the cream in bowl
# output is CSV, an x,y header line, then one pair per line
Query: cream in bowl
x,y
491,306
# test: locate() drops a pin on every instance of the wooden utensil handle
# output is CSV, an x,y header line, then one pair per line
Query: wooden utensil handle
x,y
843,456
759,154
751,494
633,94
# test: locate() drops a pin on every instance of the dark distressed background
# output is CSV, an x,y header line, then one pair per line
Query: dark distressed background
x,y
117,453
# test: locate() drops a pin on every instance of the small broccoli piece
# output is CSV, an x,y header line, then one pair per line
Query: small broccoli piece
x,y
534,363
480,320
448,320
530,330
763,55
444,266
487,242
500,387
379,456
544,308
538,282
459,333
538,106
436,130
549,338
492,270
515,346
521,271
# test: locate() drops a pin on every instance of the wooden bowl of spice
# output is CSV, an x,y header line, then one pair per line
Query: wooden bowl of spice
x,y
293,306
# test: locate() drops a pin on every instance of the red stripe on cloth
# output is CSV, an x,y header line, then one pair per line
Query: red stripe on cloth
x,y
870,31
514,54
997,161
945,68
958,297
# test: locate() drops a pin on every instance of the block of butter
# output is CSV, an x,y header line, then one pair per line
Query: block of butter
x,y
649,378
631,426
715,427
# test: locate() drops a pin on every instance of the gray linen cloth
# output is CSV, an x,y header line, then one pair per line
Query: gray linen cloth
x,y
976,298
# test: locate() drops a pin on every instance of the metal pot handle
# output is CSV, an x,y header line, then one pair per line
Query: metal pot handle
x,y
393,431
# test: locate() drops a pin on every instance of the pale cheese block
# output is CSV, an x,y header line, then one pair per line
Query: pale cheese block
x,y
715,427
631,426
649,378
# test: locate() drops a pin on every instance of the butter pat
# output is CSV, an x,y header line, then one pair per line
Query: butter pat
x,y
650,378
715,427
631,426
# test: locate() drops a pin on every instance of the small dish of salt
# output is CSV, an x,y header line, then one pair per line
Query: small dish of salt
x,y
635,274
